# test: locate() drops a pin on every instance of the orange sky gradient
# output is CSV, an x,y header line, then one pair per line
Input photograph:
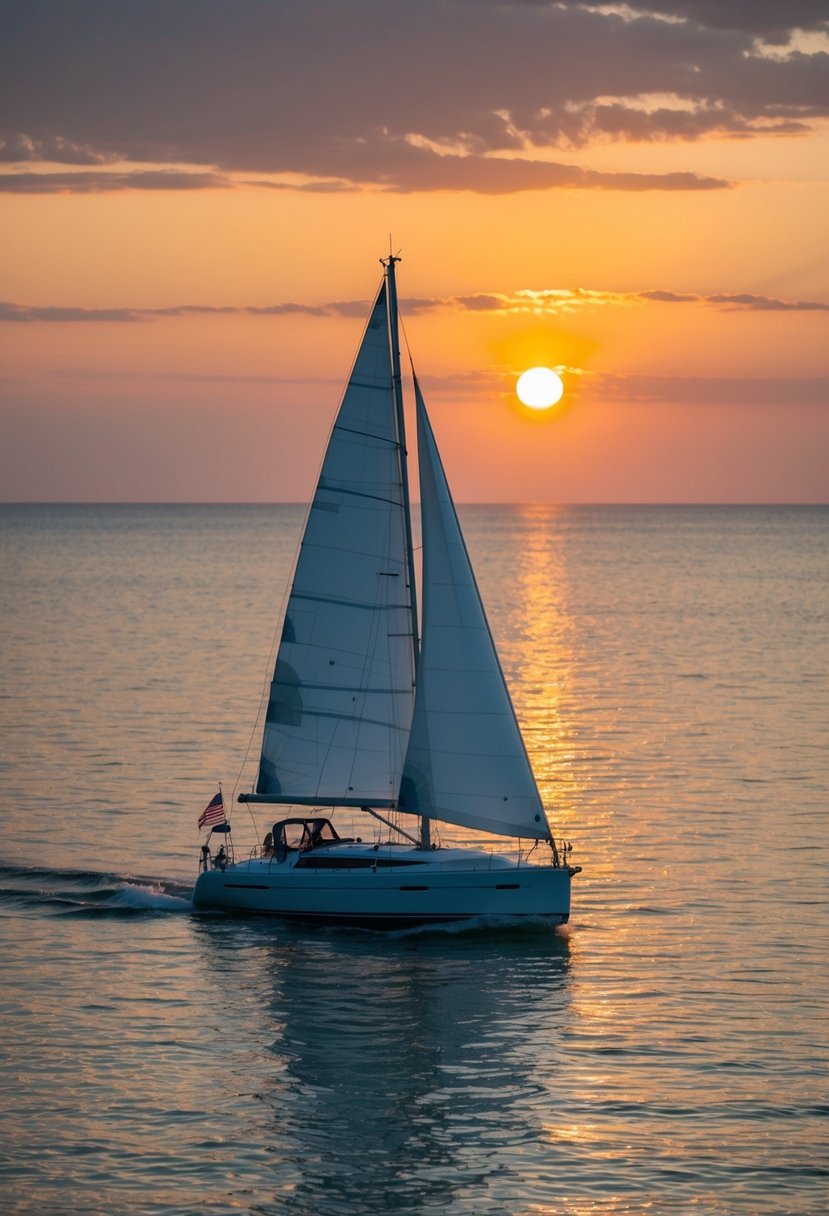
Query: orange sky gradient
x,y
186,267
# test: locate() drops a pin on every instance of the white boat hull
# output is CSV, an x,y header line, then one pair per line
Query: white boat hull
x,y
389,887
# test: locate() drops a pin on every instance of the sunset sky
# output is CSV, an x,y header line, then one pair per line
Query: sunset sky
x,y
194,195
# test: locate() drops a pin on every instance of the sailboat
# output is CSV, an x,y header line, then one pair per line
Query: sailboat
x,y
383,715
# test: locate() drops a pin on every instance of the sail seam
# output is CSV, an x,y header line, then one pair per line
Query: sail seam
x,y
377,388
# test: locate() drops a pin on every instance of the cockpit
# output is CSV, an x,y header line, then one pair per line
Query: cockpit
x,y
301,835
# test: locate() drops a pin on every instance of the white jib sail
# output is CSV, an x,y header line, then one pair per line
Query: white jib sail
x,y
466,763
341,699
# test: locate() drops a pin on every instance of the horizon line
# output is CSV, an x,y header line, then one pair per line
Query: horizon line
x,y
538,502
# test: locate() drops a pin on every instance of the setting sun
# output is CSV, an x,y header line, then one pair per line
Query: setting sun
x,y
539,388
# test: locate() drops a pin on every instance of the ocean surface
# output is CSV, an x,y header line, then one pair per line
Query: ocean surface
x,y
666,1053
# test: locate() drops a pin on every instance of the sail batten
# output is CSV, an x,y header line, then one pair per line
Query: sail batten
x,y
349,430
370,607
361,494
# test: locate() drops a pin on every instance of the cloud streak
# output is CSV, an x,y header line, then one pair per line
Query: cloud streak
x,y
103,182
28,313
706,390
482,175
760,17
556,301
550,302
18,149
594,388
605,388
742,301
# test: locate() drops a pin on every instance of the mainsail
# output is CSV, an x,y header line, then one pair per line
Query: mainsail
x,y
341,699
466,762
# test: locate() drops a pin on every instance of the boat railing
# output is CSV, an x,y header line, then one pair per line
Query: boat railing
x,y
220,860
560,851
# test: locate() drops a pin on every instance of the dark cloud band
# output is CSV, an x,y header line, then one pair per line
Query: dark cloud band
x,y
475,95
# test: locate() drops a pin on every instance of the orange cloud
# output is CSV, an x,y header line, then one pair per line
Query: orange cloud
x,y
549,302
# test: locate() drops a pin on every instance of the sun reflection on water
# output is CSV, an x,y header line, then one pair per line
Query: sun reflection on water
x,y
527,583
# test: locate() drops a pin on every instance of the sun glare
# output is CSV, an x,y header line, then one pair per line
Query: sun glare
x,y
539,388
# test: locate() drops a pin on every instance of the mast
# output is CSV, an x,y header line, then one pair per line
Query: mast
x,y
397,384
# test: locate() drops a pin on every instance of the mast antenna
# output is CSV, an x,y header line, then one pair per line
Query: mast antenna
x,y
392,258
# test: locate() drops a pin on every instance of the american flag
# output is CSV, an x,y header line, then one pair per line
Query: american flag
x,y
214,812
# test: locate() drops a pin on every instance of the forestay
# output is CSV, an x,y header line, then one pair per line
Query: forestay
x,y
341,699
466,761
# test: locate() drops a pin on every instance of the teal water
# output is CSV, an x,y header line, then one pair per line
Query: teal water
x,y
670,667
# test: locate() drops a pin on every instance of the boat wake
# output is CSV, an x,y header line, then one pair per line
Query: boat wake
x,y
34,890
483,926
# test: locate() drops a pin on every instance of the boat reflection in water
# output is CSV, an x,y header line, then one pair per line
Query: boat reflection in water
x,y
402,1071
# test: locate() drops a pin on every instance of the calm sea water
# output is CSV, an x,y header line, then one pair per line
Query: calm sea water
x,y
667,1054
